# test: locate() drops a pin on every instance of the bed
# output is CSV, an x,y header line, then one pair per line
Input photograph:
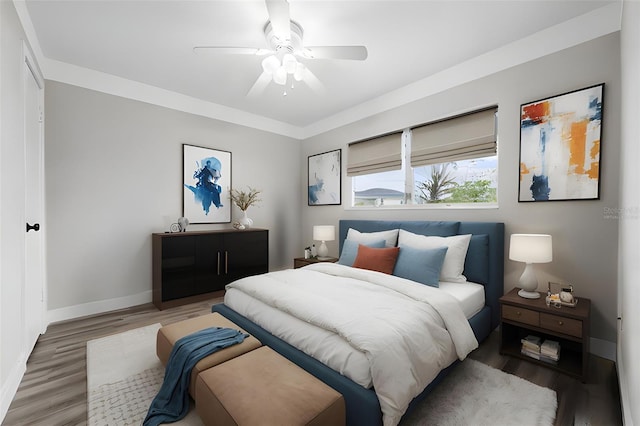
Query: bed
x,y
483,265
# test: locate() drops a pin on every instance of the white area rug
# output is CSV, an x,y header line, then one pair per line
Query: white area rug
x,y
479,395
124,374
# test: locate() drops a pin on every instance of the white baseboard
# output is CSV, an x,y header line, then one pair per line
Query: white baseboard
x,y
92,308
603,348
627,419
10,386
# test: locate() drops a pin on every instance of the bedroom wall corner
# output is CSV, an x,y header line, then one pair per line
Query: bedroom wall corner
x,y
114,176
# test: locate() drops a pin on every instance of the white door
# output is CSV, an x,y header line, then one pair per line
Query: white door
x,y
34,295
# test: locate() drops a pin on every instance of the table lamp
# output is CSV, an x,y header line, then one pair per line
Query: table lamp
x,y
324,233
530,248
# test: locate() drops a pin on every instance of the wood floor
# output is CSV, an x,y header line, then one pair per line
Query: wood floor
x,y
54,388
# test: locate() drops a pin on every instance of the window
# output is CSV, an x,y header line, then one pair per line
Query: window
x,y
451,161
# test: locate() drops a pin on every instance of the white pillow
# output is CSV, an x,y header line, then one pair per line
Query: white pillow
x,y
390,237
453,265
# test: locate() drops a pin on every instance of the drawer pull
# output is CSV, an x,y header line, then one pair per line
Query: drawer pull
x,y
518,313
560,323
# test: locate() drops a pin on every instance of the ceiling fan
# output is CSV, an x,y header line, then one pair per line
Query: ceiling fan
x,y
284,39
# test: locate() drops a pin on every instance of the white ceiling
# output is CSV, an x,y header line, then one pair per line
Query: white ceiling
x,y
151,42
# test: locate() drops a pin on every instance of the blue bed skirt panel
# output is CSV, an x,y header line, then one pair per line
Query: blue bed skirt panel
x,y
362,406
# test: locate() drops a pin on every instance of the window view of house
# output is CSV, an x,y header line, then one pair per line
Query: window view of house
x,y
459,182
451,161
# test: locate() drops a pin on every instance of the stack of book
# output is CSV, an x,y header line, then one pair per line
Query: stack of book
x,y
550,351
547,351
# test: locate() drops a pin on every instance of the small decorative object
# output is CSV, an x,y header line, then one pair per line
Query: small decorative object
x,y
205,172
325,178
530,248
324,233
244,200
566,295
563,298
307,252
560,146
180,225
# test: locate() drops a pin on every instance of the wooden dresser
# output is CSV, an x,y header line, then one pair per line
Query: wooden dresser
x,y
193,266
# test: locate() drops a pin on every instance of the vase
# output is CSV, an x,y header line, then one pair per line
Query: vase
x,y
245,221
183,222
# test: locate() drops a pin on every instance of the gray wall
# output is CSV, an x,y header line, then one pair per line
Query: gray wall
x,y
114,176
585,242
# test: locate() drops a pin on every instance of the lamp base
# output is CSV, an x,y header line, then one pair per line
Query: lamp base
x,y
323,251
529,294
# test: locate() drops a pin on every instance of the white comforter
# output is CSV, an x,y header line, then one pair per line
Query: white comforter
x,y
407,331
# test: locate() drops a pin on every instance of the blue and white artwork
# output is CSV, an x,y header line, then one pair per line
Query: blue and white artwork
x,y
206,182
325,178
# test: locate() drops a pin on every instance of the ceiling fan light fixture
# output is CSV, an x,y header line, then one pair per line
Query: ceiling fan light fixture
x,y
270,64
298,74
289,63
280,76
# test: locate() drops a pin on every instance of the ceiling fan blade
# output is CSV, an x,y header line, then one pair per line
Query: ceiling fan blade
x,y
279,18
258,87
231,50
312,81
355,53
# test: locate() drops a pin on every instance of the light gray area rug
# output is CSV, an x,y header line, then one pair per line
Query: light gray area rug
x,y
479,395
124,374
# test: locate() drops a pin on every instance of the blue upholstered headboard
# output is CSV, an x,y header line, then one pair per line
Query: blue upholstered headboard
x,y
484,263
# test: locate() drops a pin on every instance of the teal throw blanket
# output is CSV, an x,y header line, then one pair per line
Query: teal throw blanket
x,y
172,402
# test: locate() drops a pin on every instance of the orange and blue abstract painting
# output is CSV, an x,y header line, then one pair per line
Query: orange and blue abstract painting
x,y
560,147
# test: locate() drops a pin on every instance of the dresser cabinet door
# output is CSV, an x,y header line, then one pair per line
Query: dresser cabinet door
x,y
209,263
246,253
178,267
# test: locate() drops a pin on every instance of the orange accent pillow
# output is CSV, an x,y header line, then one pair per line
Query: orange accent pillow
x,y
376,259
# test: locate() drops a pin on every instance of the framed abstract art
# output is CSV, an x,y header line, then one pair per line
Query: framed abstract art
x,y
325,178
206,181
560,147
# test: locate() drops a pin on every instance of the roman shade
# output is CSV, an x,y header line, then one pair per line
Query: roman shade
x,y
376,155
461,138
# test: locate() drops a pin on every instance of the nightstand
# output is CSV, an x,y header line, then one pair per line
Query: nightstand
x,y
299,262
568,326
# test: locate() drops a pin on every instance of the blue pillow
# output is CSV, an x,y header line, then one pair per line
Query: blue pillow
x,y
350,250
420,265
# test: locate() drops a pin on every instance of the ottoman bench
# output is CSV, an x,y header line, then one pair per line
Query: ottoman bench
x,y
263,388
170,334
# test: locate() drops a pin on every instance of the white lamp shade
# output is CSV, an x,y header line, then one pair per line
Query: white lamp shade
x,y
531,248
299,72
289,63
270,64
324,232
280,76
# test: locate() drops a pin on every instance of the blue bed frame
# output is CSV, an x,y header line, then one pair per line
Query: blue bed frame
x,y
484,264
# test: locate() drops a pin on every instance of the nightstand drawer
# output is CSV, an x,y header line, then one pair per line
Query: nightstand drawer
x,y
525,316
563,325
